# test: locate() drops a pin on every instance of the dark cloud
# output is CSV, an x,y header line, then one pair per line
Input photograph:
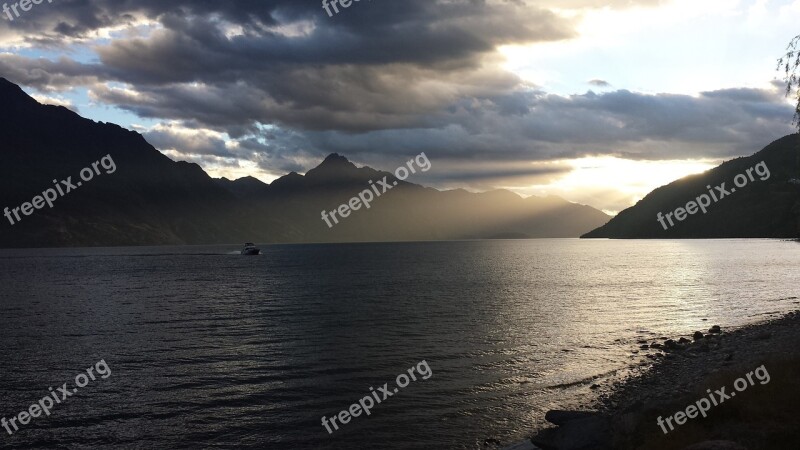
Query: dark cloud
x,y
380,80
225,64
46,75
600,83
505,175
622,123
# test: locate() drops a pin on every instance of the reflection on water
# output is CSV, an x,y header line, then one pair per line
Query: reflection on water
x,y
211,348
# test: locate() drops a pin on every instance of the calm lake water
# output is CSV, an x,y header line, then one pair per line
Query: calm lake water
x,y
211,349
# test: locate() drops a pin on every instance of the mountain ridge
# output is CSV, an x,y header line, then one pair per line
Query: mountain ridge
x,y
254,183
153,200
761,209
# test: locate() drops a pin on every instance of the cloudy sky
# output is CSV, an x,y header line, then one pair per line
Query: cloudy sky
x,y
598,101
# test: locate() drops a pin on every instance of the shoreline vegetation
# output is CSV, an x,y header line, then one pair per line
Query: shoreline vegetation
x,y
676,373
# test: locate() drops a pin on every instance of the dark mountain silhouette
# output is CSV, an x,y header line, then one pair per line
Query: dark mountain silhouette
x,y
152,200
243,187
762,209
149,199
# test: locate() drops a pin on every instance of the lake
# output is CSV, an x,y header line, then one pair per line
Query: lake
x,y
208,348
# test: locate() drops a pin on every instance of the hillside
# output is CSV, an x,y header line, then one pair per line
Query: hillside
x,y
768,206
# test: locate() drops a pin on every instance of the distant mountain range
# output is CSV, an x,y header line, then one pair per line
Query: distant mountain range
x,y
763,208
152,200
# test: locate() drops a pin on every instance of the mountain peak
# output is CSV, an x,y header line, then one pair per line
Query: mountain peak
x,y
5,84
288,181
336,160
334,167
11,94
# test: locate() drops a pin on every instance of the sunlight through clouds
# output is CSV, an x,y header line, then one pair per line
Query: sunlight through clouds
x,y
575,85
590,177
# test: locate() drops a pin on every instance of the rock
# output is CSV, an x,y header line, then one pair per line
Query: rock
x,y
627,423
490,442
592,432
524,445
763,336
656,345
715,329
561,417
715,445
634,407
729,357
644,347
683,340
698,335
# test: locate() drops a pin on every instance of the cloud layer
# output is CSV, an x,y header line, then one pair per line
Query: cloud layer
x,y
278,83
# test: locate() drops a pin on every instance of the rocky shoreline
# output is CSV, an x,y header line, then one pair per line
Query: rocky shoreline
x,y
680,371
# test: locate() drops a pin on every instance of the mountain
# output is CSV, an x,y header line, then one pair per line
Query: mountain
x,y
138,196
409,211
149,199
766,206
243,187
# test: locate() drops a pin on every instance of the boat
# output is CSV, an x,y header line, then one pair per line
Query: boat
x,y
250,249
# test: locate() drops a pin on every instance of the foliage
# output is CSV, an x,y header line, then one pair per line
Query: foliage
x,y
789,64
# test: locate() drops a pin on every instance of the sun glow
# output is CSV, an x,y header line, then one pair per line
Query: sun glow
x,y
623,181
661,42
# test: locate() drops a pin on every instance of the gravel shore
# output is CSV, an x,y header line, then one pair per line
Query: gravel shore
x,y
677,373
